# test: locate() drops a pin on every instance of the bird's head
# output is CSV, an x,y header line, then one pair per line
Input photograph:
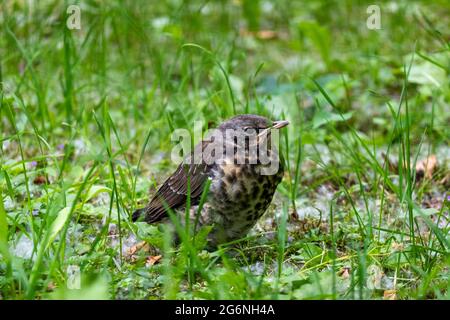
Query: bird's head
x,y
252,123
245,138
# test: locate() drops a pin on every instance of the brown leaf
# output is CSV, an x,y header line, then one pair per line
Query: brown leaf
x,y
391,165
39,180
151,260
390,294
139,246
397,246
261,34
425,167
344,273
293,216
51,286
266,34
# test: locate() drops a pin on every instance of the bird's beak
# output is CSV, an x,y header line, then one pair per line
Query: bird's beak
x,y
275,125
280,124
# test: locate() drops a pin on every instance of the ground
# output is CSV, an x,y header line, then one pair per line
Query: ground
x,y
88,106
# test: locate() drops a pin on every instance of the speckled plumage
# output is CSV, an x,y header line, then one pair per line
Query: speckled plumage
x,y
237,198
238,195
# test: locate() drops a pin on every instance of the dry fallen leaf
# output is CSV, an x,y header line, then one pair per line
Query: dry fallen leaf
x,y
51,286
390,294
266,34
130,255
398,246
261,34
426,167
344,273
152,260
293,215
39,180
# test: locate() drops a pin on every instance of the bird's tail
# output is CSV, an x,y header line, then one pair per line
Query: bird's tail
x,y
138,215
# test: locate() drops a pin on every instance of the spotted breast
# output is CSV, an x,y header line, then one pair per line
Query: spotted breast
x,y
238,197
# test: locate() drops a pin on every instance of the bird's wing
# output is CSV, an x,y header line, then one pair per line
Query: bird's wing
x,y
174,191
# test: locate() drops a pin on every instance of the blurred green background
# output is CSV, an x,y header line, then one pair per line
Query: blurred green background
x,y
86,117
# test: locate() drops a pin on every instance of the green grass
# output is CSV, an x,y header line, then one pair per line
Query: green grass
x,y
86,123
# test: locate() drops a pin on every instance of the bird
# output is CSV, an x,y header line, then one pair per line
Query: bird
x,y
243,167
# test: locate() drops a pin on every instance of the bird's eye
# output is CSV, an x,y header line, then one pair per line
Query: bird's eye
x,y
253,129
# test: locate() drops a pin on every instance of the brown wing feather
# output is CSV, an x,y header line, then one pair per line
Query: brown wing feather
x,y
174,190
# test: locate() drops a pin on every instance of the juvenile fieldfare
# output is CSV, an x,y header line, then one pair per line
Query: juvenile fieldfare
x,y
243,164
